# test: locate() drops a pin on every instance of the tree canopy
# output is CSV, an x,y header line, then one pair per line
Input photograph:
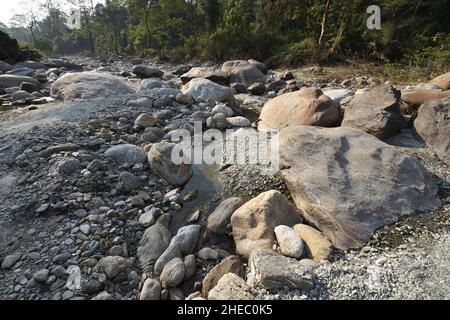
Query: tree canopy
x,y
278,31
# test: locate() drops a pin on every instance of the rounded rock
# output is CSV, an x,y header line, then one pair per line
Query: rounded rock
x,y
290,243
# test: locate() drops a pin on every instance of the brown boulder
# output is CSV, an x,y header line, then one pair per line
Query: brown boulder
x,y
414,99
442,81
242,71
230,264
317,245
253,222
308,106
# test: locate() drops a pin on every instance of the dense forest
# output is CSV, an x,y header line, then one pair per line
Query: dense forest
x,y
279,32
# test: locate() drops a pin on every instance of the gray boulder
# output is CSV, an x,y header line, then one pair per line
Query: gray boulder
x,y
126,153
173,273
88,85
153,243
376,112
210,73
433,125
348,183
205,90
261,66
220,217
242,71
144,71
148,84
182,244
272,271
21,96
10,260
9,81
26,72
231,287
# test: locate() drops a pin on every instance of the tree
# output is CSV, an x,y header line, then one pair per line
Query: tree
x,y
111,22
87,14
54,24
211,10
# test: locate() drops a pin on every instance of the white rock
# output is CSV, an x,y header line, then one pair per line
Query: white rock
x,y
85,228
147,218
290,243
338,94
239,121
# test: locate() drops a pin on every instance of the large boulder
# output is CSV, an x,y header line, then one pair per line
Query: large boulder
x,y
433,125
9,48
273,271
34,65
205,90
161,162
242,71
62,63
253,223
376,111
414,99
443,81
25,72
88,85
308,106
261,66
21,96
210,73
9,81
348,183
4,66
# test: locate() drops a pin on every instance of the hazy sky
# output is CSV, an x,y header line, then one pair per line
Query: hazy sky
x,y
7,8
10,7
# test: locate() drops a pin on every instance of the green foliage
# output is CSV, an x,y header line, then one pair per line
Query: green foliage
x,y
33,52
432,59
414,33
110,28
44,45
298,53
